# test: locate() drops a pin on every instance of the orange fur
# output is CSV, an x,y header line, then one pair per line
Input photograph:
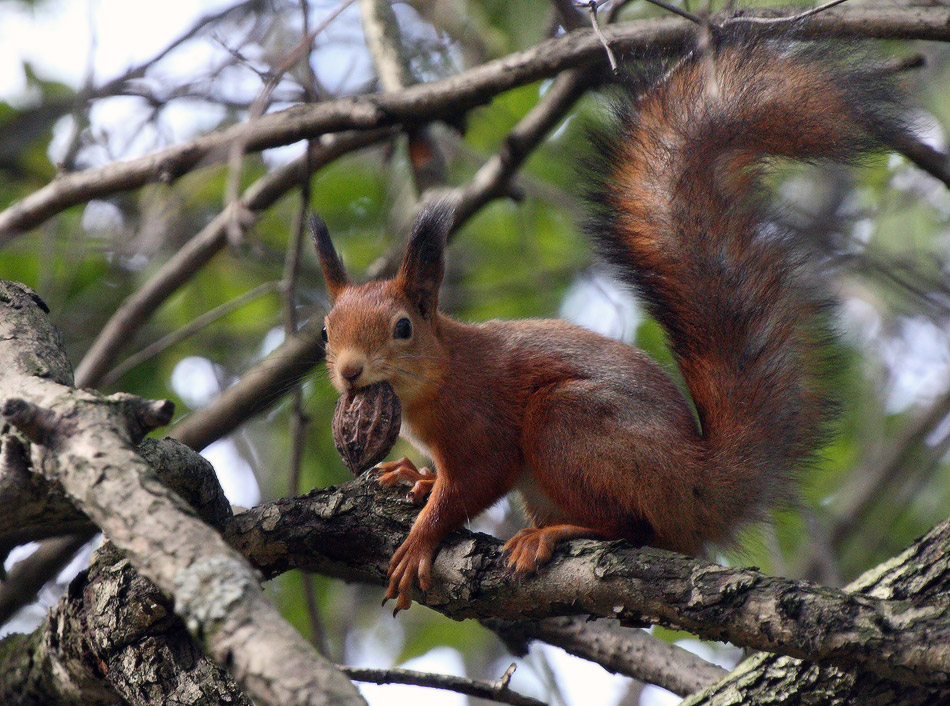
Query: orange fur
x,y
595,436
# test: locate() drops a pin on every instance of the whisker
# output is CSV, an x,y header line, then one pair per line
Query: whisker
x,y
395,368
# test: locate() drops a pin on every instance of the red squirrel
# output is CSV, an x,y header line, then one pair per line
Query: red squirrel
x,y
595,436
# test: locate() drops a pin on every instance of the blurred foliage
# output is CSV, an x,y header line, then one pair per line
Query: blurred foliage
x,y
511,260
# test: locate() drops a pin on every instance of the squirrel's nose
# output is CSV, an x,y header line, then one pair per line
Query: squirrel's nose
x,y
351,371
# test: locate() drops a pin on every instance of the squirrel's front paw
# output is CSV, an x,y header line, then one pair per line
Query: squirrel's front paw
x,y
404,471
411,564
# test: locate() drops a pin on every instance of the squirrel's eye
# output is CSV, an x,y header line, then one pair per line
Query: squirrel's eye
x,y
324,335
403,328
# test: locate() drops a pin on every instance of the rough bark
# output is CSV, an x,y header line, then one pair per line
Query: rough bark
x,y
921,573
113,635
350,531
86,444
34,507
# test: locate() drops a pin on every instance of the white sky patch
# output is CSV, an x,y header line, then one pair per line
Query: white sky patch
x,y
127,34
272,341
32,615
597,303
279,156
583,682
919,362
100,215
653,695
195,381
19,554
375,645
234,473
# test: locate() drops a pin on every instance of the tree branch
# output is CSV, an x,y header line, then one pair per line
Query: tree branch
x,y
86,445
494,691
112,637
628,651
437,100
350,531
920,573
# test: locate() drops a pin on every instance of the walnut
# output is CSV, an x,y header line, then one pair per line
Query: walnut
x,y
365,425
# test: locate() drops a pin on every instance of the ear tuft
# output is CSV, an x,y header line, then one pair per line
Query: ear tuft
x,y
423,264
334,273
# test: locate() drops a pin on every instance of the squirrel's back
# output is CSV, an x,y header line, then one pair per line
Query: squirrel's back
x,y
677,207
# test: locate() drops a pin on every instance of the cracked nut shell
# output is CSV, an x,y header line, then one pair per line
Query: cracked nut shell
x,y
366,424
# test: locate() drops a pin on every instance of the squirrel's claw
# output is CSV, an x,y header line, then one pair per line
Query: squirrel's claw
x,y
404,471
411,565
528,549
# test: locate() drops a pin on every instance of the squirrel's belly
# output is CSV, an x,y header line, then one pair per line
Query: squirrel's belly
x,y
537,505
407,433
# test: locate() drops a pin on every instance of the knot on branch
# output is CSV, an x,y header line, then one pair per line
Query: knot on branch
x,y
37,424
141,415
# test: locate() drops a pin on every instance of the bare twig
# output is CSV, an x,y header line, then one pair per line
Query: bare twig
x,y
298,418
592,9
783,20
424,103
695,19
188,330
27,577
239,216
497,690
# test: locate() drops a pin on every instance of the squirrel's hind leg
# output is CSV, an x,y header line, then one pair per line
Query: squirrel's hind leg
x,y
600,458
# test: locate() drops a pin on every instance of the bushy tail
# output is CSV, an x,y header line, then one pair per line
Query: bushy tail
x,y
678,209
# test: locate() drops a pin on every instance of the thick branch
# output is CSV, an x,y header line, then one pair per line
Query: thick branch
x,y
258,389
112,637
351,530
85,442
26,517
920,573
33,508
114,634
438,100
628,651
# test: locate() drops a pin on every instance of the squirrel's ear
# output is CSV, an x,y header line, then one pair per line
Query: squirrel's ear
x,y
333,272
420,275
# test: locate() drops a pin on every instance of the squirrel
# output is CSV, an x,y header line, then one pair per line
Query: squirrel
x,y
597,438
